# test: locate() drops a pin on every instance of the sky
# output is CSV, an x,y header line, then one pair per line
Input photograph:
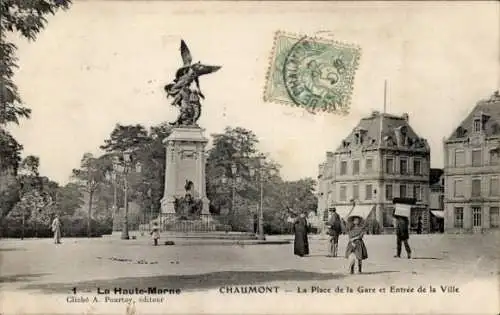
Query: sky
x,y
106,62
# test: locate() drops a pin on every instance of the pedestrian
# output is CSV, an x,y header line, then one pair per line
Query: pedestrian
x,y
356,250
155,233
301,243
402,236
56,228
334,230
419,225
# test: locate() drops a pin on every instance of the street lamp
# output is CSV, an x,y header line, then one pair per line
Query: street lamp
x,y
124,167
234,179
260,172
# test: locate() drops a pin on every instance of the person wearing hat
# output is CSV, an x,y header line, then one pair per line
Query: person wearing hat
x,y
334,230
300,229
356,249
155,233
402,236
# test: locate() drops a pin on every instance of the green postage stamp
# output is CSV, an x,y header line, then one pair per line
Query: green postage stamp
x,y
314,73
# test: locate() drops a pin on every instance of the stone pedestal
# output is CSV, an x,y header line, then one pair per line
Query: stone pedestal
x,y
185,162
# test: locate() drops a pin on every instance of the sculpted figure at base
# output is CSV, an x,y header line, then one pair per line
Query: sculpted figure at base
x,y
185,88
187,207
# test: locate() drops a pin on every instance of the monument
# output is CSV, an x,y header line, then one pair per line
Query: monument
x,y
185,183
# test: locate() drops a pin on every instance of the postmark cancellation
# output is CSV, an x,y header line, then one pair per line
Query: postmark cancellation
x,y
311,72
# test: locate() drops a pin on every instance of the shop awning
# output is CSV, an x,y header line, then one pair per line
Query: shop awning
x,y
438,213
361,211
402,210
343,211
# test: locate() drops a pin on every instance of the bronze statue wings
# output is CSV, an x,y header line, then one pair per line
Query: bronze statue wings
x,y
197,69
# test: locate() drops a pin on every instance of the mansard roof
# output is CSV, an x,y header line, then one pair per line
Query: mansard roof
x,y
373,136
489,111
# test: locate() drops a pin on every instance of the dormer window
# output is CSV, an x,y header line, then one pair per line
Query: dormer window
x,y
359,135
477,125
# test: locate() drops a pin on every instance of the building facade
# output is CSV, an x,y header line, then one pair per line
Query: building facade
x,y
436,200
472,170
381,159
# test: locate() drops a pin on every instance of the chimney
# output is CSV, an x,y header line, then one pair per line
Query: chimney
x,y
406,117
375,113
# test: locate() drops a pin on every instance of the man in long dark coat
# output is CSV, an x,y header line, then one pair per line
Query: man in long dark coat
x,y
301,243
402,236
334,230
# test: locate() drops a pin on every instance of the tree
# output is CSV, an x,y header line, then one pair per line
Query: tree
x,y
30,165
147,187
10,151
36,196
90,175
126,137
69,199
237,146
27,17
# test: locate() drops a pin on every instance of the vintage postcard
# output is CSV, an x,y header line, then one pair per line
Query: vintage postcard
x,y
233,157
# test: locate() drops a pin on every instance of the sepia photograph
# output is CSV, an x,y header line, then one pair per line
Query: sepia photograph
x,y
249,157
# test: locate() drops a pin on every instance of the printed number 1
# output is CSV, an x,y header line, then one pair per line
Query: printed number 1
x,y
74,290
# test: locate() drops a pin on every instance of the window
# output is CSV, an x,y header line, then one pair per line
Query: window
x,y
417,167
494,157
343,167
368,192
389,165
458,217
459,158
441,202
494,187
388,192
458,189
476,158
494,217
476,217
343,193
355,167
476,187
357,138
355,192
403,166
402,191
369,165
417,193
477,125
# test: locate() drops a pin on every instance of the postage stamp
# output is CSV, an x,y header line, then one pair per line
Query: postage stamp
x,y
311,72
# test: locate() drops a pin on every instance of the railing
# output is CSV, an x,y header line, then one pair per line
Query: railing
x,y
204,223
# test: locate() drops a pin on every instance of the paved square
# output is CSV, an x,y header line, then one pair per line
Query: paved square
x,y
41,268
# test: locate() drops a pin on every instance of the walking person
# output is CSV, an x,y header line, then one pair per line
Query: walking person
x,y
56,228
300,229
356,250
402,236
334,230
155,233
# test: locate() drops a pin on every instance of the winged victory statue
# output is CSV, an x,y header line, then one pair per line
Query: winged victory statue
x,y
185,88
